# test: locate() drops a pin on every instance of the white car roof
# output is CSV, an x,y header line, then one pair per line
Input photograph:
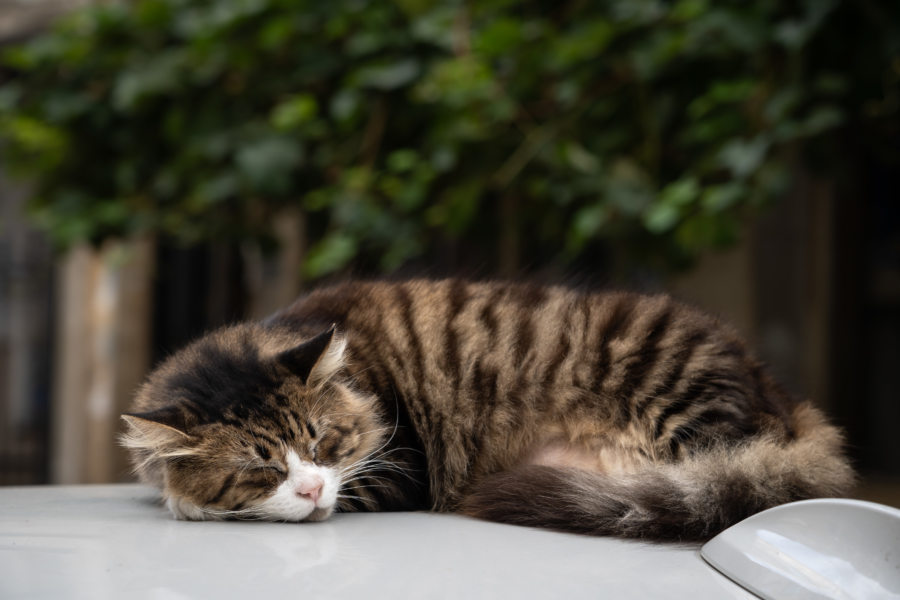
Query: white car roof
x,y
117,541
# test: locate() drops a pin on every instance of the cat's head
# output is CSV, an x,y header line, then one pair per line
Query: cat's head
x,y
245,423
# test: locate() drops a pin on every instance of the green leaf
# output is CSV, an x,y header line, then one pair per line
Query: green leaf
x,y
721,93
500,37
688,10
155,75
345,105
293,112
629,188
401,161
435,25
743,157
387,75
329,255
268,163
680,193
820,120
587,223
674,202
217,188
40,146
580,158
717,198
661,217
443,159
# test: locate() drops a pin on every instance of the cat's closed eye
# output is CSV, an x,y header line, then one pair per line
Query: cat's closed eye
x,y
273,468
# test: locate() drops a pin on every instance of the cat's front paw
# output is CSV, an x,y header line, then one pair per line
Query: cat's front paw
x,y
183,510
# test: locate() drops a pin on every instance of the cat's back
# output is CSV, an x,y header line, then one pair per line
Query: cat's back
x,y
459,332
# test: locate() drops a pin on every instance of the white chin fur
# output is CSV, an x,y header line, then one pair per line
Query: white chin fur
x,y
286,505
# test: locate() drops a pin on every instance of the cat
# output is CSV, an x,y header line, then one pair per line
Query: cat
x,y
608,413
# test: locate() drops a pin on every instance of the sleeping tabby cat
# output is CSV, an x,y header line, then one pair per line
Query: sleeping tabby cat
x,y
600,413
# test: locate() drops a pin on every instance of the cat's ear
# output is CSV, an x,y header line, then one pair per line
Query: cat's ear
x,y
315,360
158,427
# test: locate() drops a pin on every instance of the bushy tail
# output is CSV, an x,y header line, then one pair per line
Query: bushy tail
x,y
689,500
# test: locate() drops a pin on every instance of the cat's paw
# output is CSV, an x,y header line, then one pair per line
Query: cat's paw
x,y
184,510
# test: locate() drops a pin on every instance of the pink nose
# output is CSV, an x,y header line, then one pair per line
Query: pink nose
x,y
311,488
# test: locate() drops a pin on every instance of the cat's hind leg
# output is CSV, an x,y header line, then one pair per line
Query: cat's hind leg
x,y
692,499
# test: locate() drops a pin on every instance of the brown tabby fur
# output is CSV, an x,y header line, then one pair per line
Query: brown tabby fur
x,y
601,413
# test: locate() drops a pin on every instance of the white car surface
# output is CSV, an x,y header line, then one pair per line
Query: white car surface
x,y
117,541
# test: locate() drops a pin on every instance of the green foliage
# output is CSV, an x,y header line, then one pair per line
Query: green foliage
x,y
656,126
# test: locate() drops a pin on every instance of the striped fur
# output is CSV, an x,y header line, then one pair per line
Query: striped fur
x,y
613,413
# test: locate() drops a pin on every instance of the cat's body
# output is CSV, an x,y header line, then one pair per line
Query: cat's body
x,y
612,414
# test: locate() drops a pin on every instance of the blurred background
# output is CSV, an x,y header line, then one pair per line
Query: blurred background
x,y
168,166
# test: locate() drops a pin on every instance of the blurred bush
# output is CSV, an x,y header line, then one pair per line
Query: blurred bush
x,y
656,125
